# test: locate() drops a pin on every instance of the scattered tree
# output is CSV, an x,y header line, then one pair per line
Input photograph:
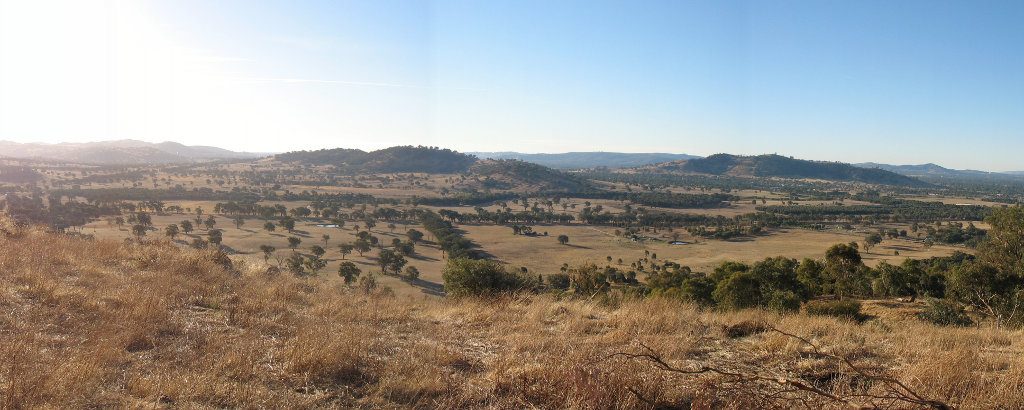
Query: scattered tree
x,y
349,272
345,249
411,273
267,251
317,250
215,236
171,231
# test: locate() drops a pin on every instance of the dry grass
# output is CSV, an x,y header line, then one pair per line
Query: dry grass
x,y
245,244
111,324
592,244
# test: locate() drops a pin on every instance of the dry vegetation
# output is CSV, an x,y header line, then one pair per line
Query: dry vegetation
x,y
593,244
101,323
244,244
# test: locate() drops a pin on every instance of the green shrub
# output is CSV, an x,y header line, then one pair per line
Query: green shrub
x,y
740,290
849,309
698,290
558,281
945,313
784,301
471,277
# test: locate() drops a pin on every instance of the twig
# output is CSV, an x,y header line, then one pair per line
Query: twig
x,y
896,390
904,392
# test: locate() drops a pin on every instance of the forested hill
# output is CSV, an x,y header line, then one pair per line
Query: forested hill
x,y
786,167
533,177
394,159
573,160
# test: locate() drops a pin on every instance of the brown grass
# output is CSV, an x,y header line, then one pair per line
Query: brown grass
x,y
593,244
112,324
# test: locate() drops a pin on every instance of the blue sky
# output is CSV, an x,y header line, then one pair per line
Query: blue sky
x,y
853,81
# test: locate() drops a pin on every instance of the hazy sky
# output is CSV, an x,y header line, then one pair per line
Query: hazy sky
x,y
886,81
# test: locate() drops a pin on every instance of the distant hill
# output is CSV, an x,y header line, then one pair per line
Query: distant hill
x,y
119,152
502,174
394,159
785,167
507,173
573,160
923,170
939,174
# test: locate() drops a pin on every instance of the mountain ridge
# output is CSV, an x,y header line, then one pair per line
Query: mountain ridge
x,y
933,172
587,159
403,158
773,165
118,152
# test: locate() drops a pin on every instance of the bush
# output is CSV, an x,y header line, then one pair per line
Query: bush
x,y
412,273
698,290
558,281
849,309
738,291
945,313
470,277
784,301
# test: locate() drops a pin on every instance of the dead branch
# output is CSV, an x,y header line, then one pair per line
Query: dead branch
x,y
902,391
895,390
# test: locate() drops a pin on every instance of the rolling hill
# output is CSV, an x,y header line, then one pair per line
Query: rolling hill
x,y
785,167
534,177
938,174
924,170
119,152
502,174
574,160
393,159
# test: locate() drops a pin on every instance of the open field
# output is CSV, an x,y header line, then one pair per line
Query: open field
x,y
245,243
955,200
589,244
539,254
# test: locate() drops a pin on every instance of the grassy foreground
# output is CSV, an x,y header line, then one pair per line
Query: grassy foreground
x,y
103,323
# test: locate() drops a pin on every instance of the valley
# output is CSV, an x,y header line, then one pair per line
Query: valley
x,y
785,242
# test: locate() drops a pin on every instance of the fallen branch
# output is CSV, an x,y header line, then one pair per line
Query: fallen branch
x,y
896,391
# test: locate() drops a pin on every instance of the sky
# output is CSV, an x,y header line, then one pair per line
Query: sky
x,y
901,82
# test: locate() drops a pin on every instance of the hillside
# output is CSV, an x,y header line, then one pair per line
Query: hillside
x,y
388,160
18,174
93,323
119,152
926,170
574,160
527,176
492,174
940,175
201,152
785,167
